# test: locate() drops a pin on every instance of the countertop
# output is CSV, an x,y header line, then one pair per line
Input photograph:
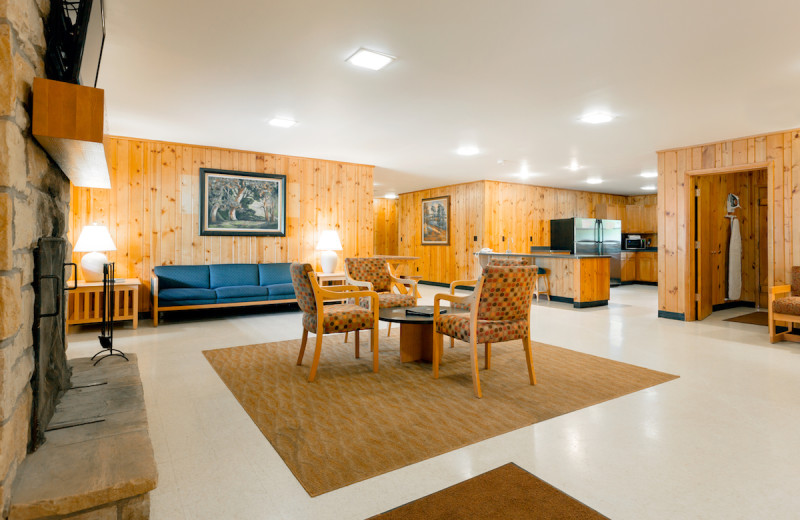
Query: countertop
x,y
542,255
645,250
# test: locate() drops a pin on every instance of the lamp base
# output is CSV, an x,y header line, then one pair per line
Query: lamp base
x,y
328,261
92,266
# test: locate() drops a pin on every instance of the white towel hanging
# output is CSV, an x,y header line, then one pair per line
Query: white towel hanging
x,y
735,261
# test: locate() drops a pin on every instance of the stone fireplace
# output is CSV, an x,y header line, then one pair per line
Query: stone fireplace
x,y
34,198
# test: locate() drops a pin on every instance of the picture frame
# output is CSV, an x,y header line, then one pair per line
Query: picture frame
x,y
236,203
436,221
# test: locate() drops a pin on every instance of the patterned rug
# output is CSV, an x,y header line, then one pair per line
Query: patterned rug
x,y
352,424
508,492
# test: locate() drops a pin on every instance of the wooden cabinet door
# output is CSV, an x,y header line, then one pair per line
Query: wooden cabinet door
x,y
649,219
633,219
627,267
647,266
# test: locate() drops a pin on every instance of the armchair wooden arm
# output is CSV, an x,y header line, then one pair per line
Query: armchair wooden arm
x,y
780,289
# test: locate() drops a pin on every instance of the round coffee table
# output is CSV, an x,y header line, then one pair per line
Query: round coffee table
x,y
416,332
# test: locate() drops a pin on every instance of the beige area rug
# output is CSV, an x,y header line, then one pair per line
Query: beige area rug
x,y
352,424
508,492
753,318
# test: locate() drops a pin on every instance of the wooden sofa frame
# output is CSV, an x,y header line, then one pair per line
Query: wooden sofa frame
x,y
155,309
776,292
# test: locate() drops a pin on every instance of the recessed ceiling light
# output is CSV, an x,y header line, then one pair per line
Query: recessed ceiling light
x,y
573,165
649,188
595,118
390,196
594,180
649,175
371,60
468,150
282,122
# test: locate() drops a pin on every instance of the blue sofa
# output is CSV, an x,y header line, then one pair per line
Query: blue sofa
x,y
181,287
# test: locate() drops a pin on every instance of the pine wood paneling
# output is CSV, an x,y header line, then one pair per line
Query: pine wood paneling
x,y
385,226
499,215
777,153
152,209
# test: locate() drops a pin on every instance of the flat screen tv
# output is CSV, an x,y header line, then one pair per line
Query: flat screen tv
x,y
76,32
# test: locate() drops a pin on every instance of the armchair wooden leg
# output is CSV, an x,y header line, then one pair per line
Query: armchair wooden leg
x,y
773,337
390,329
452,342
487,352
373,336
473,355
437,352
526,342
345,336
315,363
302,347
358,350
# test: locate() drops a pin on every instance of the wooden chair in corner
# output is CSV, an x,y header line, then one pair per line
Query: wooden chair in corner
x,y
329,319
500,308
373,274
784,307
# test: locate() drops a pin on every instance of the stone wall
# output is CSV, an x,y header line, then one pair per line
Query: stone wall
x,y
34,198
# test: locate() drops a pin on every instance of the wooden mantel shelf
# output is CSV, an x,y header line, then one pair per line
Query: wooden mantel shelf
x,y
69,122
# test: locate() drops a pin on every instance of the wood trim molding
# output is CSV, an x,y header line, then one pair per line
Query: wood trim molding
x,y
731,169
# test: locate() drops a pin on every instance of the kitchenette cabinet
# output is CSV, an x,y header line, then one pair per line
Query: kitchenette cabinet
x,y
646,266
627,266
640,219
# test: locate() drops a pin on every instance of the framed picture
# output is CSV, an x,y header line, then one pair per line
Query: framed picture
x,y
242,203
436,221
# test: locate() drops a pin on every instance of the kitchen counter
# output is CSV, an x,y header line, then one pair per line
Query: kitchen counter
x,y
582,280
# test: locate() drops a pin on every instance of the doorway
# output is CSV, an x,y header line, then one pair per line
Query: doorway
x,y
712,239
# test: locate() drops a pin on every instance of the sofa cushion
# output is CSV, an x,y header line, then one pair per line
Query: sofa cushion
x,y
241,291
281,291
788,305
271,274
182,276
226,275
168,295
254,299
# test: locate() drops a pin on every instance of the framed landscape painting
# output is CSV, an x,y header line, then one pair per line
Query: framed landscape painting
x,y
242,203
436,221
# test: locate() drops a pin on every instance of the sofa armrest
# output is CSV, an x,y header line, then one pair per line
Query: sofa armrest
x,y
154,297
780,290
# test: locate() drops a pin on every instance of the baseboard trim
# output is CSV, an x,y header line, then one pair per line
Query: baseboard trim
x,y
733,305
672,315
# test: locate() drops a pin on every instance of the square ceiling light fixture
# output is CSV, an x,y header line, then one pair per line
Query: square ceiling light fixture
x,y
371,60
282,122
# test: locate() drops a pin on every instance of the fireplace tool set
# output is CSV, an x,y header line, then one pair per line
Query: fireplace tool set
x,y
107,311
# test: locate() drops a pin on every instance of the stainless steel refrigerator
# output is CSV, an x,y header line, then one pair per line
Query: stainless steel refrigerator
x,y
589,236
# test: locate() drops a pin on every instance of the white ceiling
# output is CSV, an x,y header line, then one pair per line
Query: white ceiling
x,y
511,77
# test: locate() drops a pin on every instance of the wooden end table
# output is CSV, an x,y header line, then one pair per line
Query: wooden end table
x,y
416,332
84,304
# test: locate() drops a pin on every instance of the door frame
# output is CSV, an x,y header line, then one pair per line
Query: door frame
x,y
688,185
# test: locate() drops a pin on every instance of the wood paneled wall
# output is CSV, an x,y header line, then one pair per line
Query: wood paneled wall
x,y
385,227
778,154
152,208
499,215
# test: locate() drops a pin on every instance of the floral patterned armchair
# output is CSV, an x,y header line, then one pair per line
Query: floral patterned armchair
x,y
328,319
500,309
784,306
373,274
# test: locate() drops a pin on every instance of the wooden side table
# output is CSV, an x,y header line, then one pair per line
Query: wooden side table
x,y
328,278
84,304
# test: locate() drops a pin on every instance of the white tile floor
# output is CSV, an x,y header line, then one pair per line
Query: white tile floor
x,y
723,441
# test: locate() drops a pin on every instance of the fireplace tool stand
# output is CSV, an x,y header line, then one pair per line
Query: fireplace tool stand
x,y
107,311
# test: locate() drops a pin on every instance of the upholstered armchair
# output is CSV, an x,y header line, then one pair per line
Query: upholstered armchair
x,y
330,319
471,283
373,274
500,309
784,306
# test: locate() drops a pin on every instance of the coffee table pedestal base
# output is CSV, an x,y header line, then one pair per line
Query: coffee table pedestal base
x,y
416,342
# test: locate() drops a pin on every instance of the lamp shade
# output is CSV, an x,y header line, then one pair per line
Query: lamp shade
x,y
94,238
329,241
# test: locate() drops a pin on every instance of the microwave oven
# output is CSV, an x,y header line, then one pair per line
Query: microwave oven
x,y
634,242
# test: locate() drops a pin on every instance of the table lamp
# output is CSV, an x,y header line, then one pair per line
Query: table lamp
x,y
329,243
94,239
